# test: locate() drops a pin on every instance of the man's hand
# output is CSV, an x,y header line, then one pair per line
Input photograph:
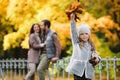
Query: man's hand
x,y
54,59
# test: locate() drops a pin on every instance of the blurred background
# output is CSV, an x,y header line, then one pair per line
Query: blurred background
x,y
17,16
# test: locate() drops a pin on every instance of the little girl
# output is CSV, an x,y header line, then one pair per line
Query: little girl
x,y
83,49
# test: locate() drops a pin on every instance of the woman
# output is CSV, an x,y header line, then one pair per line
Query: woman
x,y
83,49
34,49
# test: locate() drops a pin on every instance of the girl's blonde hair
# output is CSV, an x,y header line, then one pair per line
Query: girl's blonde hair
x,y
81,43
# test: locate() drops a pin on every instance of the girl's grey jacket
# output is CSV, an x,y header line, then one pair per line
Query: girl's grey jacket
x,y
79,62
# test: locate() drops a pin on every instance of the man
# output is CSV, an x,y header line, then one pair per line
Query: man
x,y
51,51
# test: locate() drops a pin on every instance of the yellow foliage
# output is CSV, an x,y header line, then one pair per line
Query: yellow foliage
x,y
106,22
23,14
63,31
10,39
95,40
3,7
24,43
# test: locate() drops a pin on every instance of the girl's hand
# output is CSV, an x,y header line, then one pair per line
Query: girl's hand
x,y
72,16
97,60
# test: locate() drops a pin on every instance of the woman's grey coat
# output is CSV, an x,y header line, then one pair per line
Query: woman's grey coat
x,y
79,62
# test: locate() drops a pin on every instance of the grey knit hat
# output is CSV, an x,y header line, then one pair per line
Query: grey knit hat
x,y
83,28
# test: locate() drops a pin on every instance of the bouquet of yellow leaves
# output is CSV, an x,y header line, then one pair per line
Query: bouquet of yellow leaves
x,y
75,8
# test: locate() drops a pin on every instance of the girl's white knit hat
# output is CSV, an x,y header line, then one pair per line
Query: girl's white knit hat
x,y
83,28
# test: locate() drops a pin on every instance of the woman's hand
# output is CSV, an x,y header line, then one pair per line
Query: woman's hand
x,y
44,43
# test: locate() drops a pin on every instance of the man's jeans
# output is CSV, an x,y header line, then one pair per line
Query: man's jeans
x,y
42,66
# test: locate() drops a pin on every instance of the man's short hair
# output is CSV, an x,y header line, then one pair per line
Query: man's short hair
x,y
47,22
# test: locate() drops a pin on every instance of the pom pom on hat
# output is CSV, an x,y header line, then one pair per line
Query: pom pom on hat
x,y
83,28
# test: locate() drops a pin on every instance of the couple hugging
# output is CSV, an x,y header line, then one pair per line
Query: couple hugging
x,y
44,46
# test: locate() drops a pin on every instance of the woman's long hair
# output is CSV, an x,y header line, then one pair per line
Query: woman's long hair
x,y
32,28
